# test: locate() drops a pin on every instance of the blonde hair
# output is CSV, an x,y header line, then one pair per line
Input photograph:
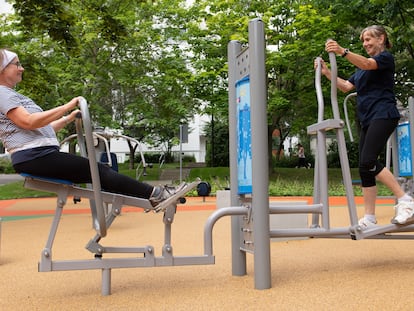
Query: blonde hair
x,y
377,31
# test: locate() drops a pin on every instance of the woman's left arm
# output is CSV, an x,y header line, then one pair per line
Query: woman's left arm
x,y
359,61
63,121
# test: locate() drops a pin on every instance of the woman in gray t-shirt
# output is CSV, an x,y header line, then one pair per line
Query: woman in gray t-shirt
x,y
28,134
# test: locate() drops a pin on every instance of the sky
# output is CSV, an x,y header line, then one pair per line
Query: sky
x,y
5,7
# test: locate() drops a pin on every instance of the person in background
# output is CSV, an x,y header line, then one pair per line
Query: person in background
x,y
301,157
378,115
29,135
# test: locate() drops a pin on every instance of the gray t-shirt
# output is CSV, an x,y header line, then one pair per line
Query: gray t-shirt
x,y
15,138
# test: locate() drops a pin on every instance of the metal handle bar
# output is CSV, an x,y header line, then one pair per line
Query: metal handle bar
x,y
318,87
351,137
334,97
88,150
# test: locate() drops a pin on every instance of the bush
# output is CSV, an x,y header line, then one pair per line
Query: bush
x,y
150,157
285,162
352,152
189,159
6,166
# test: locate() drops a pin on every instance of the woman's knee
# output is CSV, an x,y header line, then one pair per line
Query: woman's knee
x,y
367,172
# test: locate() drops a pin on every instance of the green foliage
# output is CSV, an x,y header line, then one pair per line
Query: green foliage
x,y
352,154
145,66
218,144
17,191
124,57
6,166
284,182
285,162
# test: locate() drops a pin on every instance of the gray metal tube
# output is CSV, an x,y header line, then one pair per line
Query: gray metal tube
x,y
100,223
411,110
0,235
260,170
106,282
318,87
346,172
351,137
238,257
212,219
334,82
299,209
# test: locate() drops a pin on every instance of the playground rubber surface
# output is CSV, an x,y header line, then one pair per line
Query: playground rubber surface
x,y
307,274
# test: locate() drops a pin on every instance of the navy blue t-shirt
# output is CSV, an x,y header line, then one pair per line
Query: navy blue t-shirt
x,y
375,88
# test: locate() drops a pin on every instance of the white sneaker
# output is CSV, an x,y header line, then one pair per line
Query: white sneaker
x,y
404,212
366,223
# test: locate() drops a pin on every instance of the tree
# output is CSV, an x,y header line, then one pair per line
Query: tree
x,y
147,66
125,57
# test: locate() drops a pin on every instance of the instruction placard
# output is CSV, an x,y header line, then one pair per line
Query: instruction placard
x,y
244,144
404,150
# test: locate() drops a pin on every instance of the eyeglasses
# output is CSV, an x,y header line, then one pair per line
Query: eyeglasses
x,y
18,64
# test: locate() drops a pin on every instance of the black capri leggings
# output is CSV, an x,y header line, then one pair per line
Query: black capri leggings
x,y
61,165
372,141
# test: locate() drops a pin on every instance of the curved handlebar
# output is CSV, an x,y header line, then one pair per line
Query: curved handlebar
x,y
84,132
334,93
334,98
351,138
319,95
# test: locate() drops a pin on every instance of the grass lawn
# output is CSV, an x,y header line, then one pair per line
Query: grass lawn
x,y
284,182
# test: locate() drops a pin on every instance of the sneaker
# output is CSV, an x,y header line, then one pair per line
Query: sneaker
x,y
366,223
404,212
161,193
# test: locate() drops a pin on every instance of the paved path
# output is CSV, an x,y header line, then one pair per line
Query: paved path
x,y
8,178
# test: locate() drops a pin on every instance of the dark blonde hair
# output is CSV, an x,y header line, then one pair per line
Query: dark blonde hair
x,y
377,31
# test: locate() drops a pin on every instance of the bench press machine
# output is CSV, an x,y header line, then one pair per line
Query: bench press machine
x,y
102,220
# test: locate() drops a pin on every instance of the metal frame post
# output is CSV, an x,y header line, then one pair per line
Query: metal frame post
x,y
238,256
0,234
260,170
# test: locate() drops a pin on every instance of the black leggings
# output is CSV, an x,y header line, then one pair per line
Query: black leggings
x,y
61,165
372,141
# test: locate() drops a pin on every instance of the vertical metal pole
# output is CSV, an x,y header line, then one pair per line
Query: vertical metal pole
x,y
106,282
260,170
0,235
181,153
411,120
321,111
238,256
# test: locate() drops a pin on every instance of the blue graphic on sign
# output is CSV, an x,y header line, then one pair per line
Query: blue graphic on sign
x,y
244,144
404,150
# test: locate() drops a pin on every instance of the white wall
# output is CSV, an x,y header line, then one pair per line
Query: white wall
x,y
196,145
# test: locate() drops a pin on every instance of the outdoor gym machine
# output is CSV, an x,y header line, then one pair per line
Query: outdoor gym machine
x,y
248,165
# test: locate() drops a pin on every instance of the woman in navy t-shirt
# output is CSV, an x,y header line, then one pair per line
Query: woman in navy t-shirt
x,y
378,115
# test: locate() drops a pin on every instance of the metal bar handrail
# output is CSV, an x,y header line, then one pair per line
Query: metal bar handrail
x,y
87,149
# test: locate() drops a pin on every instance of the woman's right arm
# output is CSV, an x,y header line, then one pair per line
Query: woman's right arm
x,y
30,121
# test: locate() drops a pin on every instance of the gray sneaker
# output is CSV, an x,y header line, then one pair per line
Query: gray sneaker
x,y
161,193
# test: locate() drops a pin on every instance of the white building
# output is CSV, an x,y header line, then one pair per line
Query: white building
x,y
196,145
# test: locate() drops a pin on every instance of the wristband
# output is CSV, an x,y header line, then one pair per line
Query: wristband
x,y
65,118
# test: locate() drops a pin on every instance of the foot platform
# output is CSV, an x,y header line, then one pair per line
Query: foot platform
x,y
178,197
